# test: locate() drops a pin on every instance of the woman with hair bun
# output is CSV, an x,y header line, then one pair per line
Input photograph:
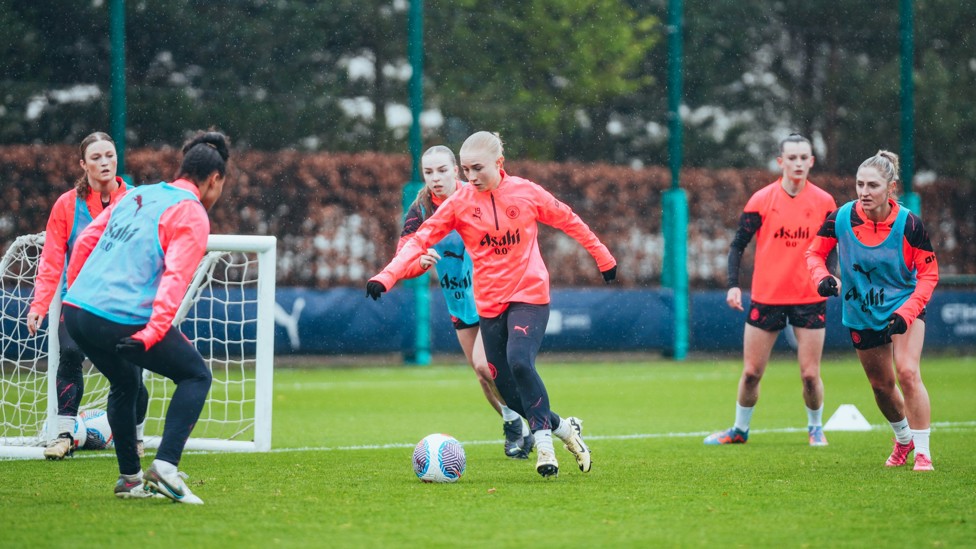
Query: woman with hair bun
x,y
888,272
126,278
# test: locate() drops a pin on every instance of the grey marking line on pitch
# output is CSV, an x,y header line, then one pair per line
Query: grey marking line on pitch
x,y
944,426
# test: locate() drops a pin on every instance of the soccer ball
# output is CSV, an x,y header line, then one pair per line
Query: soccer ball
x,y
439,458
98,431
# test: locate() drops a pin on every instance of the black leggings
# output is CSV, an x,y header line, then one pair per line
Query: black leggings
x,y
512,341
70,379
173,357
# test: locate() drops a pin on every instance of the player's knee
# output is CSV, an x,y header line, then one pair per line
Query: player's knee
x,y
810,379
751,377
909,380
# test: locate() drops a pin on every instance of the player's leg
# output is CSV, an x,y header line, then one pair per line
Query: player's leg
x,y
513,427
526,328
875,354
97,338
177,359
70,387
763,325
808,323
142,408
474,351
908,357
809,352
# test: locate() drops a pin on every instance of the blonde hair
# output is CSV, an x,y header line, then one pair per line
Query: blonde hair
x,y
886,162
489,142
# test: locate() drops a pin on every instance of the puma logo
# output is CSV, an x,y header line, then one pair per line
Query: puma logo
x,y
290,320
523,329
138,203
449,253
858,269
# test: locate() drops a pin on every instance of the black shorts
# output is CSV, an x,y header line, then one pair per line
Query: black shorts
x,y
461,325
869,339
772,318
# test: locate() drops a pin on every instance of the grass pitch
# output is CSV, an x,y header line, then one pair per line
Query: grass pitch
x,y
340,473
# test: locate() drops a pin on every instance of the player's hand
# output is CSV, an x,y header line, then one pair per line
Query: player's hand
x,y
429,259
34,322
734,298
896,325
374,289
828,287
610,274
130,345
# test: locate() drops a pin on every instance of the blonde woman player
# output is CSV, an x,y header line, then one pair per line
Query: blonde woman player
x,y
454,274
497,217
888,272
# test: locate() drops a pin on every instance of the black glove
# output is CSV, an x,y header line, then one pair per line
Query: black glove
x,y
374,289
129,345
610,274
896,325
828,287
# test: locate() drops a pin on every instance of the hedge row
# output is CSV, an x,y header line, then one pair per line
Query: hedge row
x,y
337,216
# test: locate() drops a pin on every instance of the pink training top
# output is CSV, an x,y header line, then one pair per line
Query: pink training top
x,y
183,231
500,231
60,225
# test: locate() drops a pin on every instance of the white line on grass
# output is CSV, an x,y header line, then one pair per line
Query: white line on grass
x,y
943,426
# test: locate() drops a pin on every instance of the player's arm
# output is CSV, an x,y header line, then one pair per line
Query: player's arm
x,y
820,249
749,224
919,255
411,223
86,242
429,233
52,260
554,213
183,232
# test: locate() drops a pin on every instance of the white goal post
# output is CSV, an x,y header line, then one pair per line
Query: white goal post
x,y
227,313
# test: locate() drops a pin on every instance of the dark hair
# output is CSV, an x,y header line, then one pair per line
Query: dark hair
x,y
424,197
204,154
794,138
81,184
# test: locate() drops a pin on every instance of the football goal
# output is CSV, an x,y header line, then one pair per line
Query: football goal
x,y
227,313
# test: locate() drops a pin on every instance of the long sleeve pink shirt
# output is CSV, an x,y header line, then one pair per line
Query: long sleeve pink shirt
x,y
500,231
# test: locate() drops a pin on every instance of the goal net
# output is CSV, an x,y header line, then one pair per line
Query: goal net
x,y
227,313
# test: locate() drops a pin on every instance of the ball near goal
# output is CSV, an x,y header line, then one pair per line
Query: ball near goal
x,y
227,313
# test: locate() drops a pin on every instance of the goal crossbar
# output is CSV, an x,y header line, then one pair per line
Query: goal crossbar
x,y
227,313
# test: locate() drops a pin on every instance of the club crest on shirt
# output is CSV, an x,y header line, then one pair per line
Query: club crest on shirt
x,y
512,212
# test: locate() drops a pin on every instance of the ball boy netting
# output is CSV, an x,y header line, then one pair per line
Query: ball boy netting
x,y
227,314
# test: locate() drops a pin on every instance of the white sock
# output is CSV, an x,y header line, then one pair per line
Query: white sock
x,y
921,438
815,417
525,429
543,441
743,417
564,431
66,424
903,434
140,430
133,478
164,467
508,414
